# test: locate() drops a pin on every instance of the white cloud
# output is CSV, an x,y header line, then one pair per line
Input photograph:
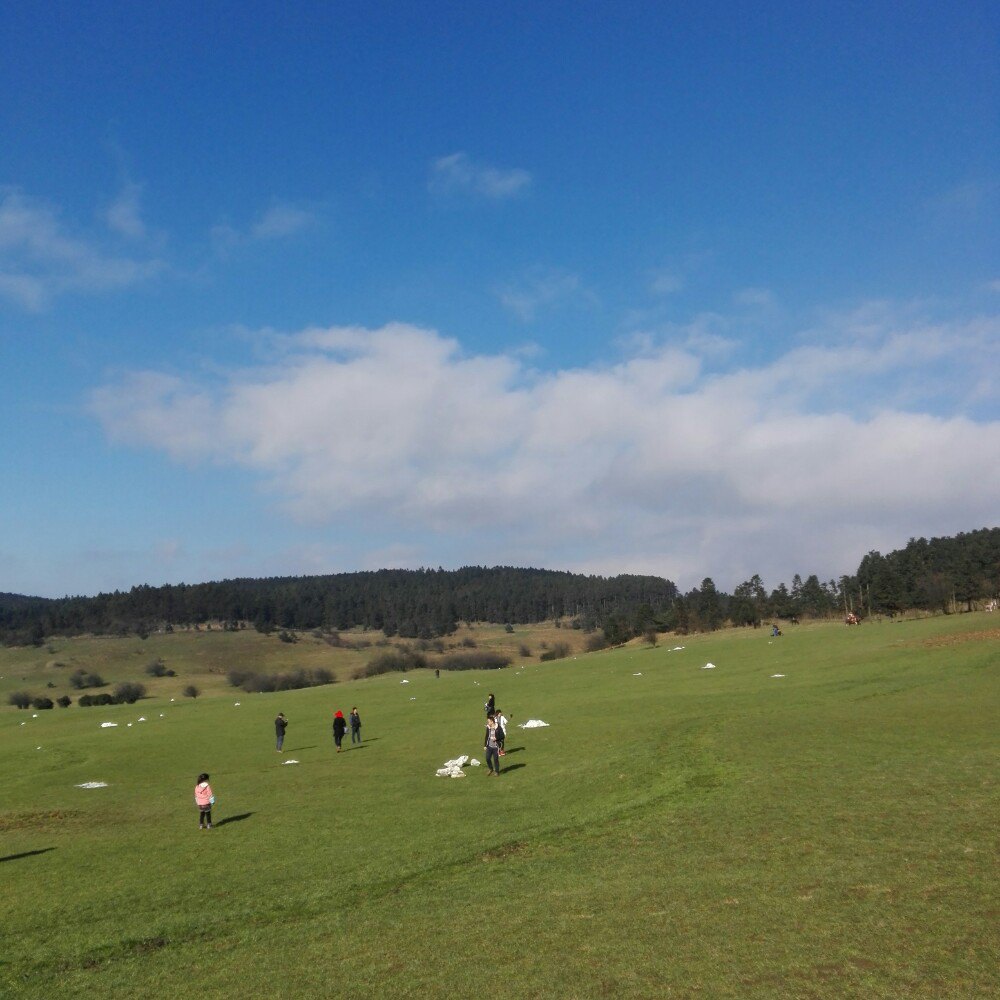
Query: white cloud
x,y
40,260
458,172
281,220
124,215
655,463
543,289
666,283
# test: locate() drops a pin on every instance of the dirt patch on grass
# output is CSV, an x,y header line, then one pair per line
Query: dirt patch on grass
x,y
504,851
38,819
987,635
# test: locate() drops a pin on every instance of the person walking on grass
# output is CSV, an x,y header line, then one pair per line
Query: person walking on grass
x,y
204,799
501,722
355,726
280,725
490,746
339,728
490,703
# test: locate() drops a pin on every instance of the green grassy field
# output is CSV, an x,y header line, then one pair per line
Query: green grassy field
x,y
684,833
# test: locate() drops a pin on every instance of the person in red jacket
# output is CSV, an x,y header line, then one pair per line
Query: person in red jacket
x,y
204,799
339,728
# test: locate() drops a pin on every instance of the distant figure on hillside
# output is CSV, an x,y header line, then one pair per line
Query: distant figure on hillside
x,y
437,670
204,799
851,619
490,746
280,725
775,630
501,722
490,704
355,725
339,728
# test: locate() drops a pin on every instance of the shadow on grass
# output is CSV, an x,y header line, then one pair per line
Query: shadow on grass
x,y
233,819
27,854
507,753
295,749
511,767
357,746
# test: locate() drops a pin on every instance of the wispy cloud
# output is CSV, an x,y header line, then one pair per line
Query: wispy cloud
x,y
459,173
40,259
279,221
124,214
654,462
541,289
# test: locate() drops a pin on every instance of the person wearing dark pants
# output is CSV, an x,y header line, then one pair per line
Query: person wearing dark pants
x,y
280,725
204,799
339,728
355,726
491,747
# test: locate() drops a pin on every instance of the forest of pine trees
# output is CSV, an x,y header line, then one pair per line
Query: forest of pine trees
x,y
940,574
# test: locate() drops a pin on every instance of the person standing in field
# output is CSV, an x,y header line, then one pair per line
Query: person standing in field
x,y
339,728
280,725
204,799
501,722
355,725
490,746
490,703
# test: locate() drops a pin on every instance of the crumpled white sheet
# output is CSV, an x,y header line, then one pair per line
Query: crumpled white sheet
x,y
532,724
777,675
109,725
93,784
453,768
289,761
708,666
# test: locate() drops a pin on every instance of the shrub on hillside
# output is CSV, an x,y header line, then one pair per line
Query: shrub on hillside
x,y
83,679
130,692
20,699
42,703
65,701
596,641
468,642
524,649
478,659
285,636
87,700
398,660
293,680
157,668
191,691
559,651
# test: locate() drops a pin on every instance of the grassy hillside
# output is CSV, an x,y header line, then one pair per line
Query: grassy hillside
x,y
685,833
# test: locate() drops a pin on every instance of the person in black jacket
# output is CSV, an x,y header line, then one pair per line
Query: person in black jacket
x,y
490,703
339,728
355,726
490,745
280,725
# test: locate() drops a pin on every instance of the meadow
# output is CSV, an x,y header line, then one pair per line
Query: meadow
x,y
673,832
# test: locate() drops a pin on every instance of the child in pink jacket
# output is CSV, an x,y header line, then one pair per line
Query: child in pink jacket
x,y
204,800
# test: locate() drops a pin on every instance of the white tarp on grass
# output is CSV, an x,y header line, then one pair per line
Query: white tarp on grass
x,y
289,761
708,666
93,784
532,724
453,768
109,725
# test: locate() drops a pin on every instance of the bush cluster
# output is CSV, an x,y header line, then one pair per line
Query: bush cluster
x,y
398,660
42,703
127,693
596,641
83,679
479,659
559,651
159,669
20,699
253,682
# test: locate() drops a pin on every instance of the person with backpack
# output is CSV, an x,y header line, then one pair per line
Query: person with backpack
x,y
339,728
501,722
280,725
204,799
490,746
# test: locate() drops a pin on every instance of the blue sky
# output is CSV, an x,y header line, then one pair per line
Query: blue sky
x,y
690,290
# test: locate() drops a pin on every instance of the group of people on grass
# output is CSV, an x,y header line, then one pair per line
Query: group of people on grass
x,y
496,734
493,746
339,728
